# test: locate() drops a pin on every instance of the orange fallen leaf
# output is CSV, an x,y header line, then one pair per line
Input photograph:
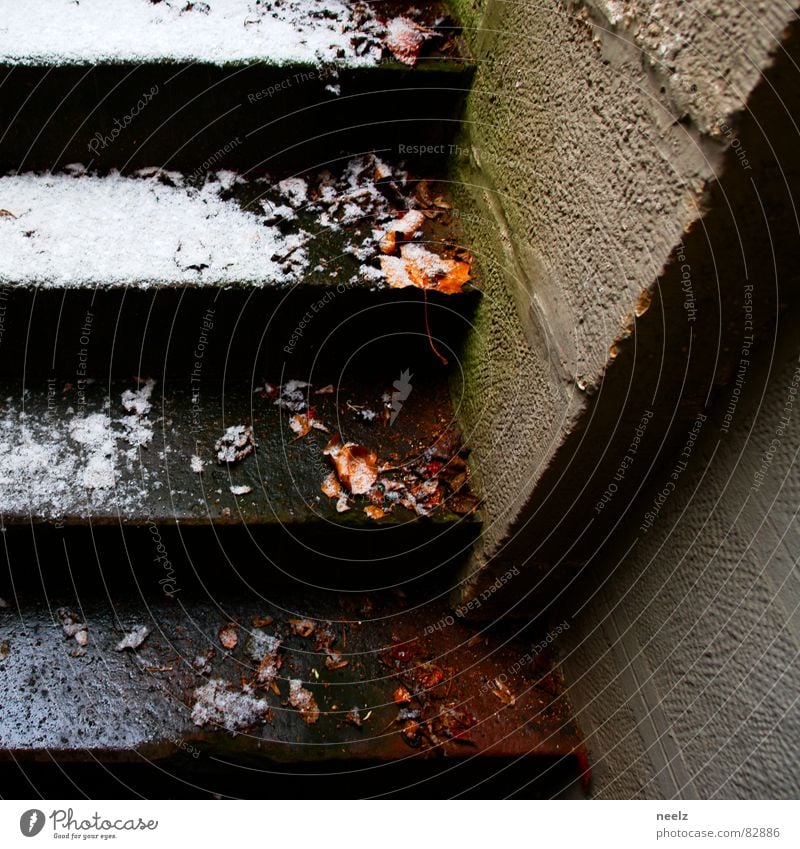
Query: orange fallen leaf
x,y
401,696
331,486
356,466
404,227
300,425
374,512
396,272
417,266
453,282
389,242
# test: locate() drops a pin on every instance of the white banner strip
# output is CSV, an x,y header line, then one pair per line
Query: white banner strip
x,y
400,824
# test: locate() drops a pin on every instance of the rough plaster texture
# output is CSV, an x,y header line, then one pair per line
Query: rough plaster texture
x,y
603,154
628,181
683,659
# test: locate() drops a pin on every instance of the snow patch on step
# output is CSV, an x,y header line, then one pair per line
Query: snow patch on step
x,y
54,465
114,231
57,32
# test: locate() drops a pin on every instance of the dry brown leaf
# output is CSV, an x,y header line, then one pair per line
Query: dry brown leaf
x,y
389,242
405,39
300,425
356,466
303,700
331,486
417,266
303,627
228,636
453,282
401,696
404,227
423,193
335,661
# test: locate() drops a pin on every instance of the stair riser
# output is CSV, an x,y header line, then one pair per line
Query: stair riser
x,y
161,560
193,335
197,118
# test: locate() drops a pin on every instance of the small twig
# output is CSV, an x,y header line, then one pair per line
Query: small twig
x,y
428,329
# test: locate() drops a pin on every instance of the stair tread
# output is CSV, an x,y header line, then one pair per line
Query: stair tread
x,y
61,32
72,453
179,689
161,228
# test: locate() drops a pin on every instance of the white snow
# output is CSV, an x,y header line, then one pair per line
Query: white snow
x,y
220,703
115,231
295,190
133,639
235,444
265,650
138,401
54,464
218,31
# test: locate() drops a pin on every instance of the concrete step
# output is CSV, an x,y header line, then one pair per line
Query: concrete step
x,y
313,678
159,272
136,484
136,452
232,83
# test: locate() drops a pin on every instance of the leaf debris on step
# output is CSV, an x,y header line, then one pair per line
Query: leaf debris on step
x,y
229,636
133,639
73,627
356,466
235,444
219,703
303,627
303,701
265,649
405,39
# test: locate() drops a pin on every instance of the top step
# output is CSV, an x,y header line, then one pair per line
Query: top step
x,y
175,82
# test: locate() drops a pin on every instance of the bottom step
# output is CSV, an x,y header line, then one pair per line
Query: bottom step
x,y
342,679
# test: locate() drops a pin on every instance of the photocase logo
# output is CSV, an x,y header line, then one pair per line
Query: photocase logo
x,y
402,389
31,822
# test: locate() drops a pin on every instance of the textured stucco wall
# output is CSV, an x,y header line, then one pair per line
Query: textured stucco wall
x,y
683,656
628,179
602,154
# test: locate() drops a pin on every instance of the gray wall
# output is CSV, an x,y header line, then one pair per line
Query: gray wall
x,y
603,155
683,656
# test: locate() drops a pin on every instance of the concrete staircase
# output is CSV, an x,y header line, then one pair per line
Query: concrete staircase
x,y
233,487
